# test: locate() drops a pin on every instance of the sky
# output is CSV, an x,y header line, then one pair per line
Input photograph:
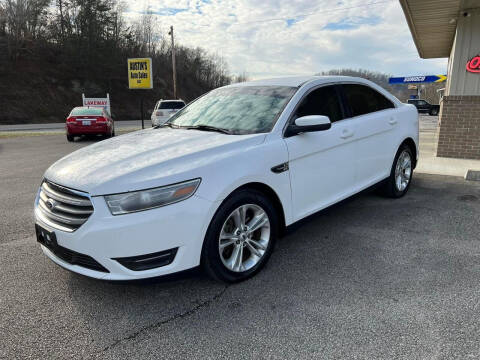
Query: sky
x,y
267,38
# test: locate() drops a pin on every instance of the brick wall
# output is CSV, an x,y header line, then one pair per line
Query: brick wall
x,y
459,130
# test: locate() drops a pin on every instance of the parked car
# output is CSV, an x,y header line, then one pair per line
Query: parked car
x,y
218,183
424,106
164,109
86,120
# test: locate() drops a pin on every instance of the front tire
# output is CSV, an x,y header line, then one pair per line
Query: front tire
x,y
241,237
434,112
401,173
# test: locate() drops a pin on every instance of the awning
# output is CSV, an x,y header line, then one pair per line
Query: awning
x,y
433,24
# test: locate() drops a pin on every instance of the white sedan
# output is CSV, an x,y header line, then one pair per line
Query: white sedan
x,y
217,184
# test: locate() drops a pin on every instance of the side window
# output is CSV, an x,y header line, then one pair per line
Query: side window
x,y
421,102
322,101
363,99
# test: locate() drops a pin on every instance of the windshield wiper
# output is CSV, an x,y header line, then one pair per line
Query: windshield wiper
x,y
207,128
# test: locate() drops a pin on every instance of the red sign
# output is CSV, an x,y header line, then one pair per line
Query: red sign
x,y
474,65
96,102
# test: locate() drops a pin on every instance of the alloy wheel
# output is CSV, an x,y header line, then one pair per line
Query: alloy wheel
x,y
244,238
403,170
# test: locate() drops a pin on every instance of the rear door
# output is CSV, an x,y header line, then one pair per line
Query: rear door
x,y
376,132
322,166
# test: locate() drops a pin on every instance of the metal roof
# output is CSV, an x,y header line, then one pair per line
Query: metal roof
x,y
433,24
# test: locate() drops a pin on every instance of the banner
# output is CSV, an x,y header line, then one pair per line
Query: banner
x,y
417,79
97,102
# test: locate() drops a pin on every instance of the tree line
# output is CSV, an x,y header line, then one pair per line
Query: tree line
x,y
428,91
88,42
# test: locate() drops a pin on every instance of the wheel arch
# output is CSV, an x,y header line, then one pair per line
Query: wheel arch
x,y
265,189
271,195
269,192
413,147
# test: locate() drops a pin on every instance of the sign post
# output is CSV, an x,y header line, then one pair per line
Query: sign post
x,y
140,77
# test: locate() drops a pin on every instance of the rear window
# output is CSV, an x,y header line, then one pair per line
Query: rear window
x,y
87,111
172,105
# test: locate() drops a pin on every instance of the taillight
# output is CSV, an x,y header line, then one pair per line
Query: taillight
x,y
71,119
101,119
159,113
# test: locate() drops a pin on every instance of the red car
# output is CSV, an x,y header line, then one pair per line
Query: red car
x,y
85,120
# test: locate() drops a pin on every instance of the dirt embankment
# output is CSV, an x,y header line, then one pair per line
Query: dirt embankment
x,y
33,91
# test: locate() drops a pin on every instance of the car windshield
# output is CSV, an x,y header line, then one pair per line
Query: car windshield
x,y
86,111
239,110
171,105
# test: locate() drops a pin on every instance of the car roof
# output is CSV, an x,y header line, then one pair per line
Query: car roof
x,y
297,81
173,100
308,81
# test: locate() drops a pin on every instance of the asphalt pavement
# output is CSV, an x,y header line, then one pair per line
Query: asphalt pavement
x,y
48,127
370,278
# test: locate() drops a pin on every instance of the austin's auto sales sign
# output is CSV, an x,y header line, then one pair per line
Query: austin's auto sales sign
x,y
473,65
140,73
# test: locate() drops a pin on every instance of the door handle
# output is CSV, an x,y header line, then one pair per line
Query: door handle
x,y
346,134
392,121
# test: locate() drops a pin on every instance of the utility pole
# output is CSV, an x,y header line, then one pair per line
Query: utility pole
x,y
173,64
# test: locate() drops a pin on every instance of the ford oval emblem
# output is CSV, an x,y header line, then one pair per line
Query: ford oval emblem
x,y
51,204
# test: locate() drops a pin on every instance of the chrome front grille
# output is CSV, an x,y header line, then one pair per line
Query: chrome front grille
x,y
62,208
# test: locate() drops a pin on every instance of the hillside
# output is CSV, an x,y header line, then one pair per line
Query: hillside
x,y
53,51
43,89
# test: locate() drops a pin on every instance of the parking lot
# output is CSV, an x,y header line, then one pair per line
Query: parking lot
x,y
368,278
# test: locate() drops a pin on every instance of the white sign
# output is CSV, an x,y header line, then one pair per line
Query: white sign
x,y
97,102
415,79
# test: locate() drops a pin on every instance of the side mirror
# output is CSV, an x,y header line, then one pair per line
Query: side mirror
x,y
308,123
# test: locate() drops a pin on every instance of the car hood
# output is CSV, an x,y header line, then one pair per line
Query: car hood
x,y
145,159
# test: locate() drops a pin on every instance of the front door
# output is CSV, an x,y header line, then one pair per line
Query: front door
x,y
322,163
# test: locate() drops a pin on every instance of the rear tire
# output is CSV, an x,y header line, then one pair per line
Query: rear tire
x,y
70,138
109,135
401,173
245,246
434,112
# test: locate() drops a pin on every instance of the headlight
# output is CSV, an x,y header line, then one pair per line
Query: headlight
x,y
151,198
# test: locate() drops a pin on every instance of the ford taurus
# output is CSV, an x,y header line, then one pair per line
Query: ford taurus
x,y
217,183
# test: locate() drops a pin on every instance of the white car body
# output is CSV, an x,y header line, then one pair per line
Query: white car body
x,y
160,116
324,168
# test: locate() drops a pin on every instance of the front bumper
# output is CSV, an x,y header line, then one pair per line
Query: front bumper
x,y
105,237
